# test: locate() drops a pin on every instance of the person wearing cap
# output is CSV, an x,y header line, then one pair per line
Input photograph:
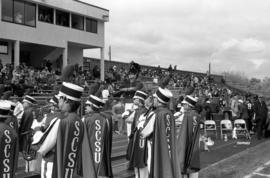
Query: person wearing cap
x,y
137,109
9,143
136,152
18,111
96,146
159,129
48,119
60,148
53,113
188,140
25,130
41,130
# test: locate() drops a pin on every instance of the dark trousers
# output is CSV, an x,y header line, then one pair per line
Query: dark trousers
x,y
249,124
260,125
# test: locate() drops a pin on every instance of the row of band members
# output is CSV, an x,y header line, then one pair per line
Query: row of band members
x,y
68,145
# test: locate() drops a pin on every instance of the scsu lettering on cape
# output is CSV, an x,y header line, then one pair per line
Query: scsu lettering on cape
x,y
6,161
98,141
168,132
74,147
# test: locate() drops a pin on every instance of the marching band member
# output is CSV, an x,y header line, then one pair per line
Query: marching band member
x,y
42,128
161,128
25,131
9,143
188,140
96,146
137,145
18,111
62,144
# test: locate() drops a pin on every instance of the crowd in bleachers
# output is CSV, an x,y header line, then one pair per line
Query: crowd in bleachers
x,y
45,79
212,97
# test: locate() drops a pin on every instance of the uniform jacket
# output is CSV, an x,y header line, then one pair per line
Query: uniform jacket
x,y
8,150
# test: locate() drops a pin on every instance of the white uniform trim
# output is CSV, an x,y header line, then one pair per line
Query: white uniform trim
x,y
68,97
149,128
50,140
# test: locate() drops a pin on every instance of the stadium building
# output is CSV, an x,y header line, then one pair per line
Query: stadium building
x,y
32,31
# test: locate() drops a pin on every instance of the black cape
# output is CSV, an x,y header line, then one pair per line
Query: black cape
x,y
130,148
25,129
163,154
96,146
9,143
137,146
12,122
188,143
68,145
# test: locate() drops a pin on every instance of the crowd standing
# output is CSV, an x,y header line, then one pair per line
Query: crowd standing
x,y
164,131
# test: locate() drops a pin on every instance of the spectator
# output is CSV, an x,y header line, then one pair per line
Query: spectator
x,y
117,111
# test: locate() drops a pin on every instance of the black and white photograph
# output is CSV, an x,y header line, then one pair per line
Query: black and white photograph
x,y
134,89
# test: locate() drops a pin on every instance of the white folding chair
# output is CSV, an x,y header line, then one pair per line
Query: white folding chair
x,y
240,127
225,127
210,126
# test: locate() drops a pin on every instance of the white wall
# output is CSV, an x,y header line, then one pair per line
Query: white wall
x,y
6,58
75,55
55,35
51,35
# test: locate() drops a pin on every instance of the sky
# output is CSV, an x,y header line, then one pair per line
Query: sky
x,y
232,35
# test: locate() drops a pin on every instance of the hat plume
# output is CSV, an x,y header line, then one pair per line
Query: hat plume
x,y
67,73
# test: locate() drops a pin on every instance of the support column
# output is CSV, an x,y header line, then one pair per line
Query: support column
x,y
102,66
16,53
65,56
54,16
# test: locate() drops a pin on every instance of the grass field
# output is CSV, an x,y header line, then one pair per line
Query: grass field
x,y
238,160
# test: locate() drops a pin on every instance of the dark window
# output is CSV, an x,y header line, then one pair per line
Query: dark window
x,y
7,10
62,18
19,12
91,25
45,14
77,22
3,47
30,14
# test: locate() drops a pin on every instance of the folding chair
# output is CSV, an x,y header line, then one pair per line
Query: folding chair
x,y
210,126
225,127
241,128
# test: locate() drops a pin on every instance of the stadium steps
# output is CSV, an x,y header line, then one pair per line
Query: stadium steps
x,y
119,162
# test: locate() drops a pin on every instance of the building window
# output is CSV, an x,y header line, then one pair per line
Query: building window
x,y
91,25
19,12
77,22
3,47
45,14
62,18
30,14
7,10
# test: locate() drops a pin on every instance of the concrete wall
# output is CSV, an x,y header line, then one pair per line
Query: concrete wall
x,y
6,58
75,55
